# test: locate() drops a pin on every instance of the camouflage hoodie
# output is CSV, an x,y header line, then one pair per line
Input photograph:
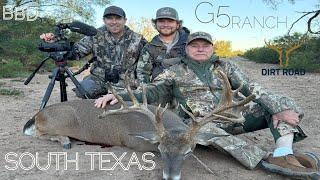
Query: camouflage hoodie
x,y
150,61
196,86
112,53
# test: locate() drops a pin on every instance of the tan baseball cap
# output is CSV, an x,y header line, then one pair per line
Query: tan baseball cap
x,y
199,35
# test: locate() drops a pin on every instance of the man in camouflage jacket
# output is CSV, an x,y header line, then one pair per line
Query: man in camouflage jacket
x,y
168,45
117,49
194,85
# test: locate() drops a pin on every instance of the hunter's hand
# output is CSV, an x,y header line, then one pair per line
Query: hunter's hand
x,y
288,116
48,37
102,102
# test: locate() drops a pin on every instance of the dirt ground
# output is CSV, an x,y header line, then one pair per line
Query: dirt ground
x,y
15,111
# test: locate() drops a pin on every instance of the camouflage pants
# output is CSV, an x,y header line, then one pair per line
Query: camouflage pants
x,y
247,154
93,86
96,88
258,118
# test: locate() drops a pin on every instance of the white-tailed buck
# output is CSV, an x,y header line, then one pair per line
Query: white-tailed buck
x,y
138,126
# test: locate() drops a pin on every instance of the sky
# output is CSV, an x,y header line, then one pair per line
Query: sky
x,y
245,23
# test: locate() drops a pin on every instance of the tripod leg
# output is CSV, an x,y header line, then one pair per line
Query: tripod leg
x,y
63,87
49,88
77,84
35,71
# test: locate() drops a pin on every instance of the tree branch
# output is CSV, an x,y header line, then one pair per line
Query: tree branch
x,y
306,13
316,13
309,23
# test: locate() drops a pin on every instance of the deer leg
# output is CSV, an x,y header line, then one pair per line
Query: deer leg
x,y
64,140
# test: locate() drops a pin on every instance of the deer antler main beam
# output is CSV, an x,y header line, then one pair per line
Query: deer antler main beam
x,y
136,107
218,114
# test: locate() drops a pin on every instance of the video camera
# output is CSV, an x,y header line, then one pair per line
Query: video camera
x,y
57,49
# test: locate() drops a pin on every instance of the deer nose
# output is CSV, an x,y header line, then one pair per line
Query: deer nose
x,y
174,177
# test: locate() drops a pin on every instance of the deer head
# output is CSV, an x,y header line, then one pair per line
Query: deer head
x,y
176,144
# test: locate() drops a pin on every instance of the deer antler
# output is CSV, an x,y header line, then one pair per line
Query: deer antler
x,y
137,107
226,111
275,48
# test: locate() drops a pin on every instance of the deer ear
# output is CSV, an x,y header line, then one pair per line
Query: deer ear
x,y
205,139
150,136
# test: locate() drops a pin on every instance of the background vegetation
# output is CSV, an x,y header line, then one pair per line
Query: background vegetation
x,y
19,39
306,57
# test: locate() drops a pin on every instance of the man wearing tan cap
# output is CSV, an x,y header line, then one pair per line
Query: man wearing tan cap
x,y
168,45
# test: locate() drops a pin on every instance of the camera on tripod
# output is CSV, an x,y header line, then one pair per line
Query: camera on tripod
x,y
60,51
62,46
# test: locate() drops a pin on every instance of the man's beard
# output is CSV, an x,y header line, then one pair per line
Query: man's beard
x,y
171,32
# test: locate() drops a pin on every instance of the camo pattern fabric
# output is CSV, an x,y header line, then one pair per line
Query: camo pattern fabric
x,y
152,55
272,103
197,94
247,154
203,93
121,54
197,87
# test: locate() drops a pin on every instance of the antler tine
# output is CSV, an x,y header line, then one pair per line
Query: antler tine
x,y
227,94
245,101
189,113
194,127
120,99
221,118
238,89
124,106
225,103
144,96
159,120
156,117
130,93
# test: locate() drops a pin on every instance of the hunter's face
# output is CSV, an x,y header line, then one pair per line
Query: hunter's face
x,y
167,27
115,24
199,50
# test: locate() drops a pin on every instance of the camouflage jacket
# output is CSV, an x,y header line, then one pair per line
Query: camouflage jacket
x,y
112,53
197,87
152,55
